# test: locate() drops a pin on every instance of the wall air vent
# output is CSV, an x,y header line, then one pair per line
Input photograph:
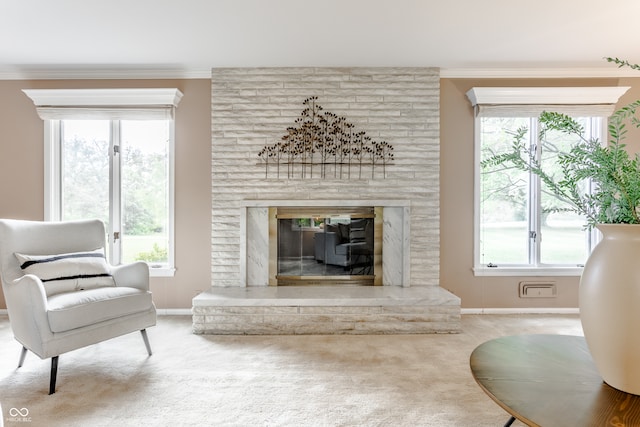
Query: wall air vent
x,y
537,289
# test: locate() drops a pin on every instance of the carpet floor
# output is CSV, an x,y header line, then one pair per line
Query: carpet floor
x,y
205,380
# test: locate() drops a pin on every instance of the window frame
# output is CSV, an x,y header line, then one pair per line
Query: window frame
x,y
529,102
54,105
535,266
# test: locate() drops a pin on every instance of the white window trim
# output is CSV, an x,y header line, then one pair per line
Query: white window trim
x,y
527,271
597,100
53,105
119,98
608,95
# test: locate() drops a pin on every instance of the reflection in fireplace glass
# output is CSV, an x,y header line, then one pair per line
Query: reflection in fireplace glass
x,y
321,247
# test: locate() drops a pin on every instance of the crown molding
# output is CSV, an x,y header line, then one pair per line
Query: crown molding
x,y
537,73
84,73
103,74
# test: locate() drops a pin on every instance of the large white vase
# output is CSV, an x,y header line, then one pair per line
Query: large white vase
x,y
610,306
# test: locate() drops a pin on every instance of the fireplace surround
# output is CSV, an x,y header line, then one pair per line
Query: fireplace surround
x,y
258,249
250,107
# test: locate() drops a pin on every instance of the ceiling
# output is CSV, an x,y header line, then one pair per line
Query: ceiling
x,y
186,38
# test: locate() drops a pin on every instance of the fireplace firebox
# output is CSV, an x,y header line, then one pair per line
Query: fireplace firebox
x,y
325,246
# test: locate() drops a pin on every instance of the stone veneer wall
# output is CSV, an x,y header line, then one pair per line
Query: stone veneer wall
x,y
252,107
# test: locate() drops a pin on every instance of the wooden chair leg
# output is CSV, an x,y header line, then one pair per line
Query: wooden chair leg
x,y
146,340
54,374
23,354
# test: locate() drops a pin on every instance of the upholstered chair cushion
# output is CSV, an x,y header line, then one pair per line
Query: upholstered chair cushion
x,y
67,311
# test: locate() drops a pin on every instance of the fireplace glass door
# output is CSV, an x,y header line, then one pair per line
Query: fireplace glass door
x,y
326,247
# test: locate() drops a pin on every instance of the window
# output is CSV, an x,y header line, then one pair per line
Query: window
x,y
520,222
115,164
520,227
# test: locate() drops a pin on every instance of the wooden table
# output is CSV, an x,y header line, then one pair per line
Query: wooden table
x,y
550,380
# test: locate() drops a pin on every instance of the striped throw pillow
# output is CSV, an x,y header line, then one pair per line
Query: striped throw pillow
x,y
68,272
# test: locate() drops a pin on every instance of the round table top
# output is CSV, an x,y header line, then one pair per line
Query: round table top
x,y
550,380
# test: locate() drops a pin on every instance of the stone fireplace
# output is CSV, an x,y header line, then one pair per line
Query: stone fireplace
x,y
251,108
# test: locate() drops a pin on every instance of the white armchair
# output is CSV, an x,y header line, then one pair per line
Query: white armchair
x,y
60,292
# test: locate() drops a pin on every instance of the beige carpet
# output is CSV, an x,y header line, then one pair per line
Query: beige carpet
x,y
195,380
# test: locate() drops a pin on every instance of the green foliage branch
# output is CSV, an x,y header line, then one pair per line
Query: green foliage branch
x,y
612,174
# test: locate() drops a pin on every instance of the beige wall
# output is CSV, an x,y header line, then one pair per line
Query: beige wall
x,y
21,184
21,174
456,199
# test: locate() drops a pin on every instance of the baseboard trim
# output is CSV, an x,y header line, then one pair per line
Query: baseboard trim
x,y
173,311
159,311
543,310
187,311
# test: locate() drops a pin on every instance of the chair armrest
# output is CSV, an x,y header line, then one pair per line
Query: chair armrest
x,y
27,290
134,275
331,241
27,307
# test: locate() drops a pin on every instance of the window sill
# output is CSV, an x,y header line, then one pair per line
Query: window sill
x,y
161,271
527,271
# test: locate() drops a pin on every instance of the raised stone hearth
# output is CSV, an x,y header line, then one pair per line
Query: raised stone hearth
x,y
326,310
